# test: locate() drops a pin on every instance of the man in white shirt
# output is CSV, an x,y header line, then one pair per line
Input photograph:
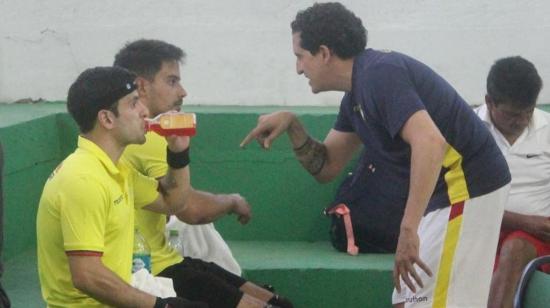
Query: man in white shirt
x,y
522,133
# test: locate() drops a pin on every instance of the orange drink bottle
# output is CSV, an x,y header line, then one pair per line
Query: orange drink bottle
x,y
173,123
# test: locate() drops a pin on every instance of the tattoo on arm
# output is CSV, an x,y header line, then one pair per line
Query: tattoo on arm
x,y
312,155
167,183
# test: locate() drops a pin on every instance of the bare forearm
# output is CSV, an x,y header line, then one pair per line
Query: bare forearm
x,y
324,160
175,184
426,161
514,221
538,226
105,286
527,223
296,132
119,295
204,207
175,187
313,157
311,154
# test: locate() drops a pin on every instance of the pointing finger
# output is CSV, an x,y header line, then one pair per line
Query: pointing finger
x,y
252,135
274,134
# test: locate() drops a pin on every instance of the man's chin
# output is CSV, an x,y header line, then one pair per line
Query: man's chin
x,y
140,140
316,90
177,106
514,130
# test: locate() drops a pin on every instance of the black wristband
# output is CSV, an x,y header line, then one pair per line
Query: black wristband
x,y
160,303
177,160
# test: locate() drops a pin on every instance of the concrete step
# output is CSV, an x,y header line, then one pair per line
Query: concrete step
x,y
313,274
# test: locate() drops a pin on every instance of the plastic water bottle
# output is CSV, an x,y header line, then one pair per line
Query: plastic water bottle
x,y
174,241
173,123
141,257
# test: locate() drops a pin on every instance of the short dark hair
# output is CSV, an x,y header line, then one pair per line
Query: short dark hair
x,y
333,25
145,57
515,81
96,89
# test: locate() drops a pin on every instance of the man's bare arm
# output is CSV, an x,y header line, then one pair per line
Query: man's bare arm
x,y
204,207
90,276
539,226
428,148
324,160
175,185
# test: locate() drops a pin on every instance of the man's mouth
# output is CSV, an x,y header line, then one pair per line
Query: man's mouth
x,y
177,106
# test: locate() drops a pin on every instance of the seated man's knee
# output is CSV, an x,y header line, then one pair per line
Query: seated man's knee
x,y
517,251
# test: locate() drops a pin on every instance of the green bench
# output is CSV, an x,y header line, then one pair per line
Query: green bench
x,y
285,244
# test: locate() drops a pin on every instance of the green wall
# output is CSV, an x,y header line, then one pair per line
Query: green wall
x,y
287,203
31,153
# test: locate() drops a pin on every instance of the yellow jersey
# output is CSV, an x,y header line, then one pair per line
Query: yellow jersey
x,y
87,205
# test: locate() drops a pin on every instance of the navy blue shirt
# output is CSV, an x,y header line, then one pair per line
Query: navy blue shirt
x,y
387,89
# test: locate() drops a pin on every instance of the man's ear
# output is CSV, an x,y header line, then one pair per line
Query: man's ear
x,y
105,119
326,53
142,84
489,101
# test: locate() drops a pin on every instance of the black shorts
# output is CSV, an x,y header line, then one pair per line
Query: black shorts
x,y
198,280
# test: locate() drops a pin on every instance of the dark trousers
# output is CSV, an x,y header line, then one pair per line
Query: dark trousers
x,y
207,282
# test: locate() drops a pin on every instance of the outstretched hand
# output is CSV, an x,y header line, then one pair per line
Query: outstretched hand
x,y
269,127
406,256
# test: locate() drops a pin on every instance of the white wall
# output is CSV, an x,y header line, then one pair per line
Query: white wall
x,y
239,51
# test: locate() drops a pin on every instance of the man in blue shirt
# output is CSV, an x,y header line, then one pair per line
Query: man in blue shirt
x,y
425,149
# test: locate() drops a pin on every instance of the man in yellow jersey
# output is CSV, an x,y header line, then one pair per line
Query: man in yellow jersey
x,y
157,65
86,212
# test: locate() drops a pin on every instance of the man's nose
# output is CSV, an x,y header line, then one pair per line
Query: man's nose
x,y
182,93
299,69
521,122
524,120
145,110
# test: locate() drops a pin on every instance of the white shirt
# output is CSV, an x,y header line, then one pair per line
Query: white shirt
x,y
529,162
